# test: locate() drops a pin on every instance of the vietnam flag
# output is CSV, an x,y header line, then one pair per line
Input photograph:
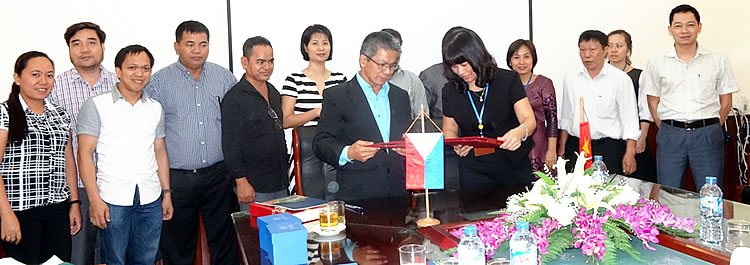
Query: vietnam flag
x,y
424,160
584,140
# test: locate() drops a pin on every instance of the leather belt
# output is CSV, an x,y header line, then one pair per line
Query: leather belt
x,y
693,124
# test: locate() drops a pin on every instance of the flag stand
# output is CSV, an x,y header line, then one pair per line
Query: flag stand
x,y
427,221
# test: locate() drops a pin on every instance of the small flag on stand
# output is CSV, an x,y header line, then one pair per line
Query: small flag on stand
x,y
424,160
584,141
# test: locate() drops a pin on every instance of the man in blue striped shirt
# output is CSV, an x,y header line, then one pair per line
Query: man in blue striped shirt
x,y
190,91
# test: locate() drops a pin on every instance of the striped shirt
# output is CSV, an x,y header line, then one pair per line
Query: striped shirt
x,y
70,91
34,170
192,113
305,90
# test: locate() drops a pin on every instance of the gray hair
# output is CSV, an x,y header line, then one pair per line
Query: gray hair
x,y
379,40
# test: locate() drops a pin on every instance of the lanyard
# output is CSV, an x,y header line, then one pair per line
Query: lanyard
x,y
528,82
479,114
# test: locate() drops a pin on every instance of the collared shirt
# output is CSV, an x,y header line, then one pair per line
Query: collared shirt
x,y
410,82
253,140
433,81
380,106
70,91
33,170
688,91
192,112
608,100
125,146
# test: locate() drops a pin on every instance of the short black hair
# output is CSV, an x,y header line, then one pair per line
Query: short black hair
x,y
513,48
190,26
247,48
594,35
464,45
395,34
132,50
307,35
683,9
75,28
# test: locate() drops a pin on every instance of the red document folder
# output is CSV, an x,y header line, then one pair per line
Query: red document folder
x,y
393,144
475,141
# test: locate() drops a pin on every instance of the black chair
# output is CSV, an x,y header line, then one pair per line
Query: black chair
x,y
313,178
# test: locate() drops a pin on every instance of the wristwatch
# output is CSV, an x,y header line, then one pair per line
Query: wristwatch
x,y
165,191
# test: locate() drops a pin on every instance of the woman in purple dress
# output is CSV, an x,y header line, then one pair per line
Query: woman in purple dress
x,y
541,94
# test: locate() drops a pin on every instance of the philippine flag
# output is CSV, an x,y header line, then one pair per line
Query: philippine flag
x,y
424,160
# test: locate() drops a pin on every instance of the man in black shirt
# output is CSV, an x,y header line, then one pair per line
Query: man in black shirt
x,y
252,137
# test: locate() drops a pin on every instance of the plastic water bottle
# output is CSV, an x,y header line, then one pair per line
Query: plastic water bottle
x,y
523,249
471,248
711,212
600,174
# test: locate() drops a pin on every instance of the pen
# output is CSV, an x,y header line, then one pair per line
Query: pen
x,y
354,208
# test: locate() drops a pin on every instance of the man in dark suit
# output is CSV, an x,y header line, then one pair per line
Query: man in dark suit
x,y
360,112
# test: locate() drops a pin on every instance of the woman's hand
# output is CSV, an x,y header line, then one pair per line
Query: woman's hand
x,y
512,139
75,218
10,229
462,150
550,158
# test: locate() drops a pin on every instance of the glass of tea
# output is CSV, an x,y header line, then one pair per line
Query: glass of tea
x,y
329,217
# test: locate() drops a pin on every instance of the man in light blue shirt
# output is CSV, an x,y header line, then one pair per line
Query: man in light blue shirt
x,y
360,112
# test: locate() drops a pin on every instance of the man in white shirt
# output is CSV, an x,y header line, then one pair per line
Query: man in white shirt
x,y
129,186
689,91
609,105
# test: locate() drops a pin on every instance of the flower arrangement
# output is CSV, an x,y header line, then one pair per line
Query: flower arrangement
x,y
576,210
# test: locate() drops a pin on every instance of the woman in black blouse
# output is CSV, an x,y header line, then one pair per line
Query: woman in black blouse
x,y
36,217
483,100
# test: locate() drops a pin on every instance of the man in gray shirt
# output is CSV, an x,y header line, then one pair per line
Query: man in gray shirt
x,y
410,82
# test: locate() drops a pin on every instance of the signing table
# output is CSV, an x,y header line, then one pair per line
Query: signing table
x,y
388,223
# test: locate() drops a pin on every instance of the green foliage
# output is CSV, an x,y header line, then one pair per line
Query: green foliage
x,y
559,240
610,252
450,252
535,215
680,233
588,171
611,196
546,178
620,238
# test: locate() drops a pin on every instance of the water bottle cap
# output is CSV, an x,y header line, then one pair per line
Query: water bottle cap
x,y
597,157
522,225
470,230
711,180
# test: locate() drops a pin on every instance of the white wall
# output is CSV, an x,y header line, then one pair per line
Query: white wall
x,y
421,23
557,25
40,25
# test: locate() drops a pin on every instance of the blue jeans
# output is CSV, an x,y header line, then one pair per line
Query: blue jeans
x,y
702,149
132,234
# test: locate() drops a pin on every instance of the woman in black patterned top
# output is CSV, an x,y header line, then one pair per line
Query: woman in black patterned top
x,y
620,49
302,93
37,220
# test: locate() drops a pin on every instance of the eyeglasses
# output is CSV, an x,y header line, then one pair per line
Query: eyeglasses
x,y
383,66
272,114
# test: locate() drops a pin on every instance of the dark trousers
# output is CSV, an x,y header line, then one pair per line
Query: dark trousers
x,y
702,149
611,150
207,192
86,245
45,231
